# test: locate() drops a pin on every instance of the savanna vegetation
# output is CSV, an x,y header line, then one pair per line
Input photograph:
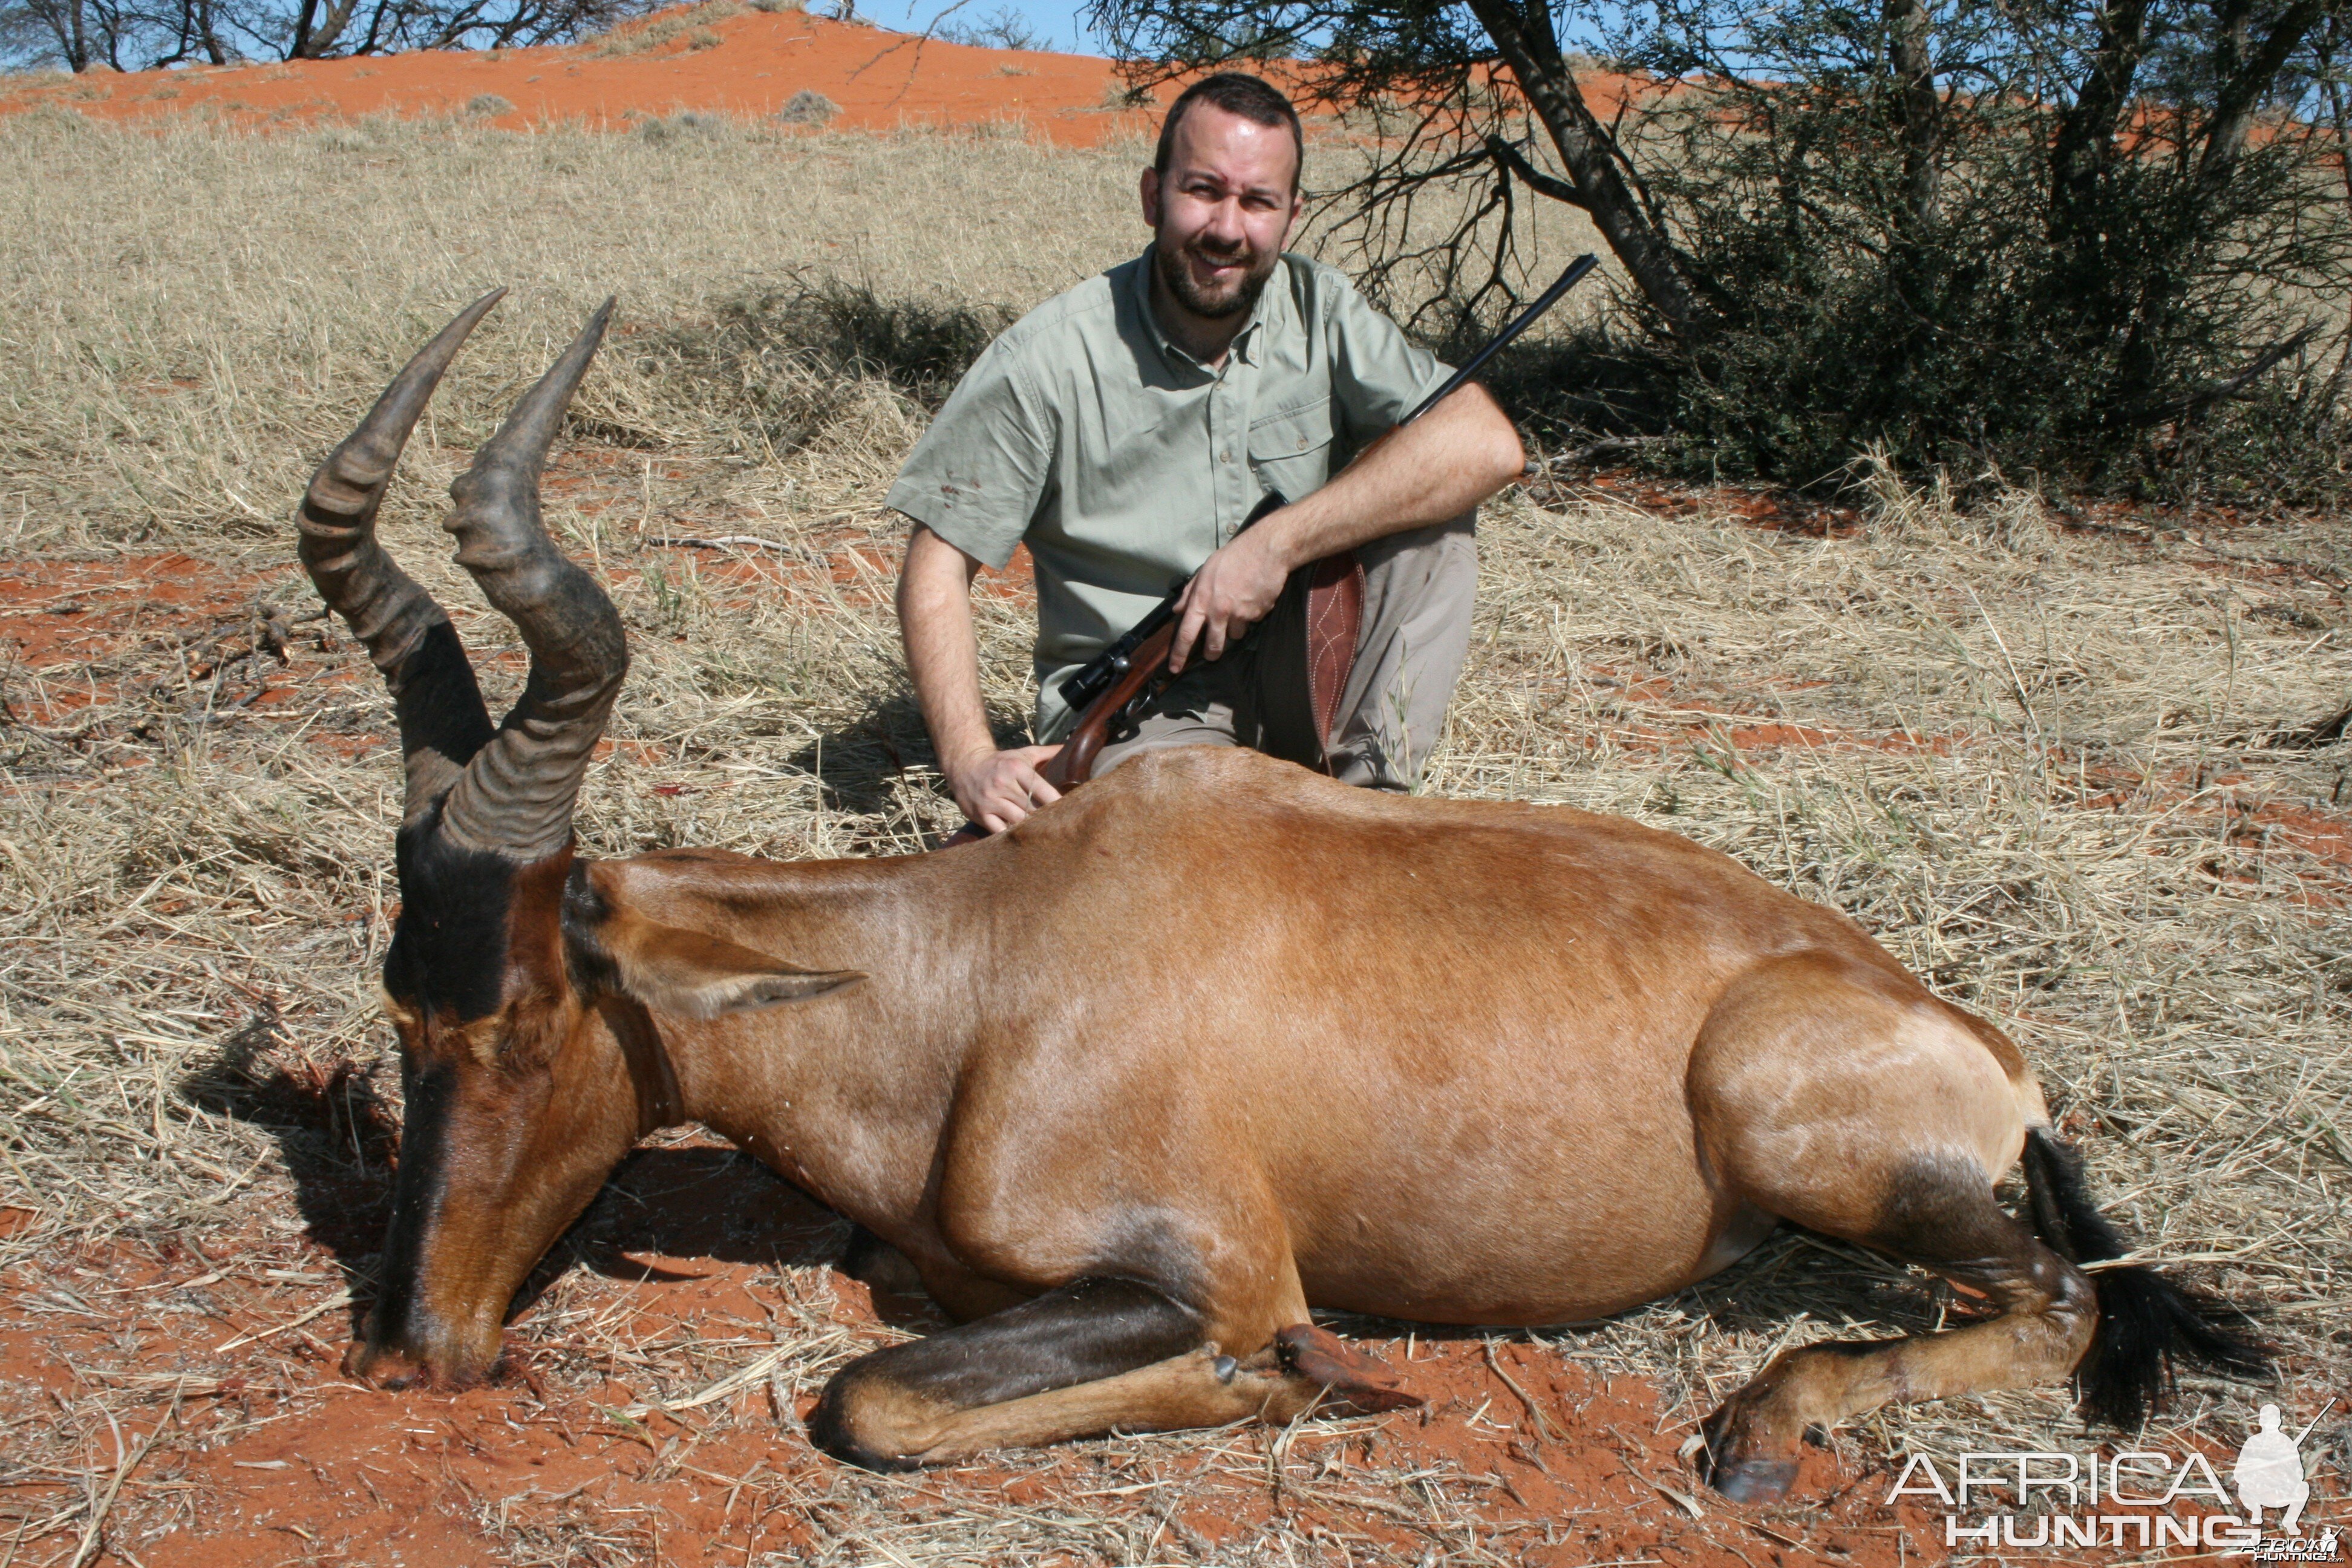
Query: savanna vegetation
x,y
2052,765
2104,242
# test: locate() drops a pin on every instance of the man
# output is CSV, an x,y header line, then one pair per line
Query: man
x,y
1126,428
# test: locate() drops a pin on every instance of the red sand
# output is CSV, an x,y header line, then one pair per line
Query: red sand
x,y
879,80
273,1456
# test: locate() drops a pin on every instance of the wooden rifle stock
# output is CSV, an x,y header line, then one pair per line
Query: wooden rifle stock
x,y
1074,764
1135,669
1131,670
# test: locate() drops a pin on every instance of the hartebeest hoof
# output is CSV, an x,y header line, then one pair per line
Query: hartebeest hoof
x,y
379,1366
1354,1377
386,1366
1736,1462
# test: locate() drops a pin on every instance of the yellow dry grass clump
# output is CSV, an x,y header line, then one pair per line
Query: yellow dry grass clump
x,y
692,22
2039,763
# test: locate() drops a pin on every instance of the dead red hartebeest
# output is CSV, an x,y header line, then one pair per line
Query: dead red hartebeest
x,y
1138,1084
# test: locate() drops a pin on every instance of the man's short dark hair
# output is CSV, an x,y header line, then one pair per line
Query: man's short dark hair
x,y
1236,93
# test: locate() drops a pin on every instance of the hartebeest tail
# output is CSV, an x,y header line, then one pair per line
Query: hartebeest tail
x,y
2148,1324
1207,1045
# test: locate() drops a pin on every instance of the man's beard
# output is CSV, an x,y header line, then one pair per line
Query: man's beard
x,y
1256,270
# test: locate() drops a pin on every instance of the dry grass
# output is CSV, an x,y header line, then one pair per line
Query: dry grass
x,y
692,22
2034,761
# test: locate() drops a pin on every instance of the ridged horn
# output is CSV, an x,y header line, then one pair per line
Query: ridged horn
x,y
408,636
516,795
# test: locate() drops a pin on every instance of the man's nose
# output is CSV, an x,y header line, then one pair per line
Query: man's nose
x,y
1224,223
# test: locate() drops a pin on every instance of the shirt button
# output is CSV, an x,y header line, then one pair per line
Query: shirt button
x,y
1224,456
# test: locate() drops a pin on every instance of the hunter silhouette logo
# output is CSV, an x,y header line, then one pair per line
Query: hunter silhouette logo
x,y
2270,1472
2140,1497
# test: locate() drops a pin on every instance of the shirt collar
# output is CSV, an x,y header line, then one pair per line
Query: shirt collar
x,y
1244,346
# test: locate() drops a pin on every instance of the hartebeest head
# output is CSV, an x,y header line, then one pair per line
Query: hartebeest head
x,y
523,992
494,1161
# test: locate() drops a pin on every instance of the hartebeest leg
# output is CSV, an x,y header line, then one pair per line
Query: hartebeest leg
x,y
1829,1094
1095,1355
1947,1222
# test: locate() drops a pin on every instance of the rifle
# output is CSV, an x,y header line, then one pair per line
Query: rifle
x,y
1126,676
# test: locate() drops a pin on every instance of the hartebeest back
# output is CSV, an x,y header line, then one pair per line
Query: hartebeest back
x,y
1209,1044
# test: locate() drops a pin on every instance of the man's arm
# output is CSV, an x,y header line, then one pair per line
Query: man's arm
x,y
996,789
1438,467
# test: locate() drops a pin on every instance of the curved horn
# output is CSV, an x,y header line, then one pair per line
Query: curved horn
x,y
408,636
516,795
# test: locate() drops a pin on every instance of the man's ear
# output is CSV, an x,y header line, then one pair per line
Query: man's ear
x,y
699,975
1150,191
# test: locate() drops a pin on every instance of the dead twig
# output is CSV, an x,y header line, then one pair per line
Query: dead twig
x,y
88,1545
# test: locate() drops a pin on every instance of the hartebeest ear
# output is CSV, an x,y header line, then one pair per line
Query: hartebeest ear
x,y
692,972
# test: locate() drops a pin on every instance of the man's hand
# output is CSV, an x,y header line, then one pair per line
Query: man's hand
x,y
1000,789
1442,464
996,789
1233,590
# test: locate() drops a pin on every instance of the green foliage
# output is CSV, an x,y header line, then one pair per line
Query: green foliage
x,y
2108,243
921,349
787,355
2152,326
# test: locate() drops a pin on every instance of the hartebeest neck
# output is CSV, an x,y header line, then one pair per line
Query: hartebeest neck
x,y
846,1093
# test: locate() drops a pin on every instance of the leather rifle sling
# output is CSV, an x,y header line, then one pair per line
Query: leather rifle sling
x,y
1335,620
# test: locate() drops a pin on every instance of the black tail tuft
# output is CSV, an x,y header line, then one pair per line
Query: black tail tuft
x,y
2147,1324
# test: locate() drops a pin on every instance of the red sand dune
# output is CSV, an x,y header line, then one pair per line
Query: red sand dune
x,y
879,80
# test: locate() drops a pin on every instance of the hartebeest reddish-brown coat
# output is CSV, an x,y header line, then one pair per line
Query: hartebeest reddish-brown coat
x,y
1210,1044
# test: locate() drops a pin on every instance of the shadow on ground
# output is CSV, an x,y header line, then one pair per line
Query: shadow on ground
x,y
864,765
338,1132
1792,1275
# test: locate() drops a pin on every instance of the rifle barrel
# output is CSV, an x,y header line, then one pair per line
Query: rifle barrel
x,y
1095,676
1502,340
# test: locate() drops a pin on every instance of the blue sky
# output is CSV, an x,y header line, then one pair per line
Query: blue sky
x,y
1056,21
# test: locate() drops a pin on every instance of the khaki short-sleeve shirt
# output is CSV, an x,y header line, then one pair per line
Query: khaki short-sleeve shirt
x,y
1123,462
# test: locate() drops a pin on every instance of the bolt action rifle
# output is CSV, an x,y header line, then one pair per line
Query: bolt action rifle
x,y
1116,684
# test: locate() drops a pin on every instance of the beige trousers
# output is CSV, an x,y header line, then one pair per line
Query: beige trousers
x,y
1418,587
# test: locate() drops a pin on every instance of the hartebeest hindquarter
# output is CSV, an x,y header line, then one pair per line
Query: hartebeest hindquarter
x,y
1210,1043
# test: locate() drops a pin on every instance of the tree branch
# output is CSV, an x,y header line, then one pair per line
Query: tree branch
x,y
1589,157
1918,106
2085,142
2243,89
1509,158
2215,392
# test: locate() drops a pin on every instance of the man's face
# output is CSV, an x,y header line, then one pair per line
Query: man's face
x,y
1223,209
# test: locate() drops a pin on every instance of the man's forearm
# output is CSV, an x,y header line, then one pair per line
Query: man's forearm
x,y
1438,467
942,651
995,789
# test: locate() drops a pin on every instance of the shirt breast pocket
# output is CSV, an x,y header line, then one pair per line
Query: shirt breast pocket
x,y
1290,448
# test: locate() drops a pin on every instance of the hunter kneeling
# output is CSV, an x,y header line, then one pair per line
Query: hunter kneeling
x,y
1128,429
